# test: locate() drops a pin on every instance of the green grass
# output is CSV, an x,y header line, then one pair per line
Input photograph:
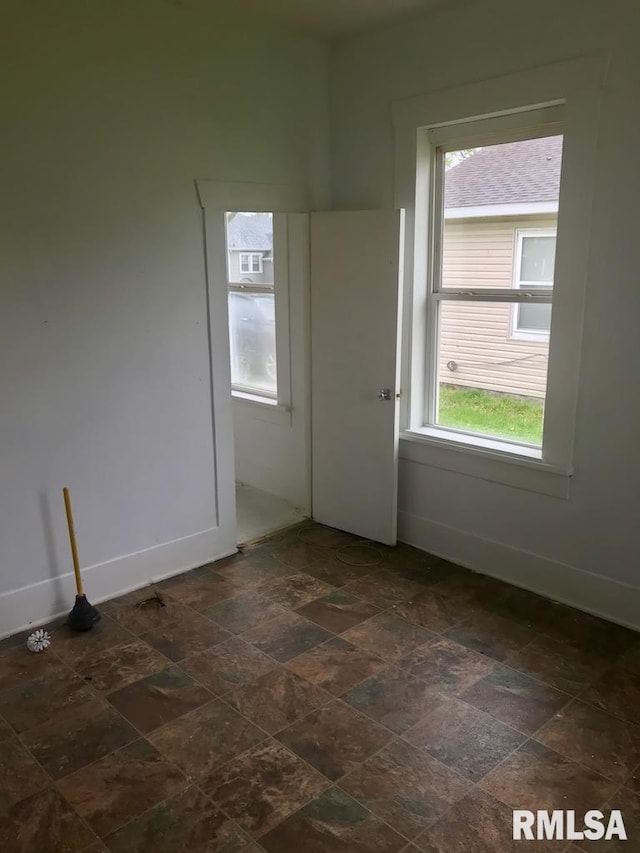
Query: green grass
x,y
474,410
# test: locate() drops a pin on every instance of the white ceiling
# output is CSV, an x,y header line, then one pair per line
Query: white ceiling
x,y
338,18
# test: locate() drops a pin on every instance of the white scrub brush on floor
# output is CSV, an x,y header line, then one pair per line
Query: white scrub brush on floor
x,y
38,641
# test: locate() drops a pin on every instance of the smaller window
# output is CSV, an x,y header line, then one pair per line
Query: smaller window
x,y
251,262
533,271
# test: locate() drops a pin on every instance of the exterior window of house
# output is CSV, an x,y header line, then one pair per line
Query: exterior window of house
x,y
252,308
534,265
490,269
250,262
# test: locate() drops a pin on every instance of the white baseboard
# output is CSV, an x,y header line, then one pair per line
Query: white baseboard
x,y
561,582
38,603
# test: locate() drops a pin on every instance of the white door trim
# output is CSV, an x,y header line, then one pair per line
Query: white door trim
x,y
216,198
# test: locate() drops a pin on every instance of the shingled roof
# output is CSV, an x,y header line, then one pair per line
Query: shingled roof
x,y
510,173
251,231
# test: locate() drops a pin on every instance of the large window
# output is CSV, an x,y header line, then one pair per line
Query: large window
x,y
493,194
252,303
488,173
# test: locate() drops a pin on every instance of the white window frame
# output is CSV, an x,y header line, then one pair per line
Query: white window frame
x,y
438,141
574,86
216,198
251,256
516,333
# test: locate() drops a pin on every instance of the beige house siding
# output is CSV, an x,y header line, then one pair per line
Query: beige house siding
x,y
476,339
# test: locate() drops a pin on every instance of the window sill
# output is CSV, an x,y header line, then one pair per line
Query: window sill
x,y
261,408
486,459
532,337
255,398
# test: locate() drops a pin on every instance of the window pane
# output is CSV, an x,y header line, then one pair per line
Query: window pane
x,y
252,332
489,383
490,193
533,318
538,259
250,248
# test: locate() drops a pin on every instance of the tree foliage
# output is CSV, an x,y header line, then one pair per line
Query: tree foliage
x,y
452,158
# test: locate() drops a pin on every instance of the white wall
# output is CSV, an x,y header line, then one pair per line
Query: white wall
x,y
110,111
577,548
272,454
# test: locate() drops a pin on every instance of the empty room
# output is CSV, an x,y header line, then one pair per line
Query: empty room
x,y
319,468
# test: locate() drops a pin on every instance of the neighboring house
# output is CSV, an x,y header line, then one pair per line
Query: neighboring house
x,y
250,247
501,210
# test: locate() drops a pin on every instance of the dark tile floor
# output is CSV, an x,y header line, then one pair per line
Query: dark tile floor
x,y
283,700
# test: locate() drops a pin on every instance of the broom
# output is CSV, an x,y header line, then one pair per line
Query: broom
x,y
83,616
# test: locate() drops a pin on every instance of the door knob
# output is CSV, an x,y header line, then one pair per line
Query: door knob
x,y
384,394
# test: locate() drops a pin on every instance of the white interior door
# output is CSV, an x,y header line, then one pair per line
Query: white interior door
x,y
355,275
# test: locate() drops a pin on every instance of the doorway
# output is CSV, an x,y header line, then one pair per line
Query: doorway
x,y
355,362
269,437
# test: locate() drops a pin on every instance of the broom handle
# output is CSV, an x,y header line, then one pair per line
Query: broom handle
x,y
72,540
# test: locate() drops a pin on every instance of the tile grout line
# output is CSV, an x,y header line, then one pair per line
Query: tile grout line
x,y
195,781
273,737
395,737
189,781
330,783
398,739
474,784
477,785
54,786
